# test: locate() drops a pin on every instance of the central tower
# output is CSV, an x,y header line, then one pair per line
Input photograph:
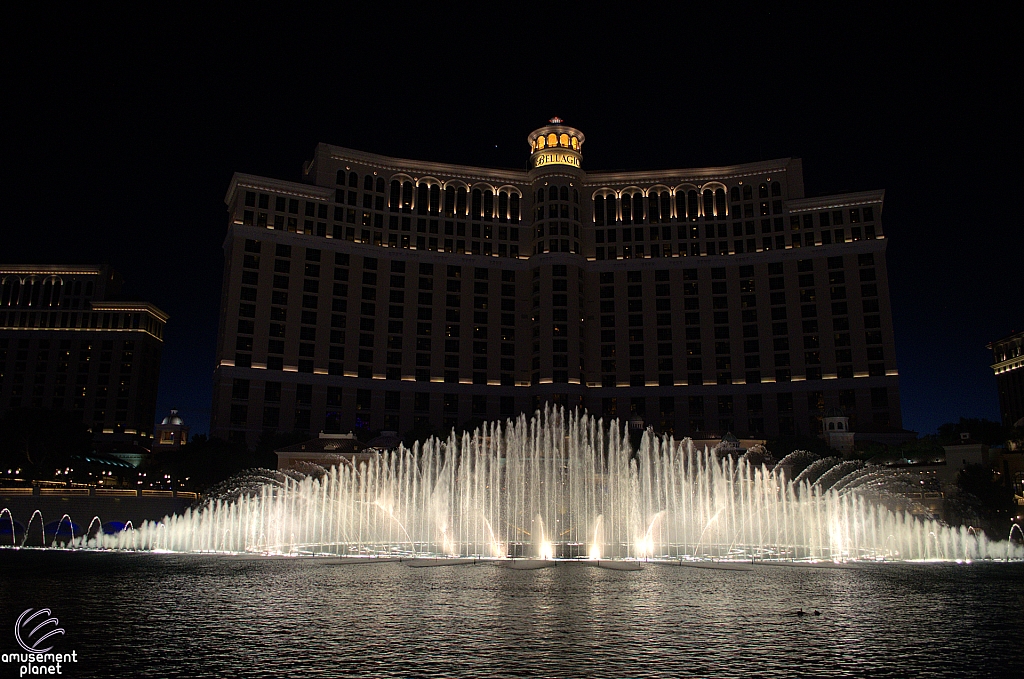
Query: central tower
x,y
556,177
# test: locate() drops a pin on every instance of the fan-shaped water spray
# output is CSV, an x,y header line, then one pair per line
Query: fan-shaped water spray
x,y
557,485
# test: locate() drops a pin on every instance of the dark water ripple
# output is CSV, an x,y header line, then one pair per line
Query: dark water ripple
x,y
194,616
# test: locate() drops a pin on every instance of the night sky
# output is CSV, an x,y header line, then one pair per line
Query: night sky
x,y
122,132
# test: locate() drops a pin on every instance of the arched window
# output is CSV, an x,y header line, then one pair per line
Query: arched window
x,y
540,142
691,204
653,209
720,203
748,192
540,195
380,184
627,212
681,205
776,189
575,143
11,291
368,183
435,199
762,191
503,206
553,193
638,208
353,180
609,210
599,210
341,178
421,199
552,139
734,193
564,140
709,203
488,204
513,208
406,196
449,201
831,425
575,194
666,206
31,299
51,292
563,193
396,192
477,205
460,202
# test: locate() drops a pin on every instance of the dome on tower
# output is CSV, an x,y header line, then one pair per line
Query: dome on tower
x,y
173,418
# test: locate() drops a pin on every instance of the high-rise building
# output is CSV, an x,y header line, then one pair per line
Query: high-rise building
x,y
67,344
387,294
1008,366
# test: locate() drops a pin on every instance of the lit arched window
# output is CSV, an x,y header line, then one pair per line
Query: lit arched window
x,y
609,210
564,140
599,210
435,199
488,204
540,142
421,199
406,196
449,201
503,206
51,292
692,202
666,206
638,208
576,143
709,203
552,139
477,204
513,208
720,202
11,291
460,203
627,212
396,192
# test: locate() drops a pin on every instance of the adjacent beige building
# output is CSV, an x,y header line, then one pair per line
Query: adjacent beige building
x,y
68,343
381,293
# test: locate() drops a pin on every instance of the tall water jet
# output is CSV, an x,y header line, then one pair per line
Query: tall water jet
x,y
595,545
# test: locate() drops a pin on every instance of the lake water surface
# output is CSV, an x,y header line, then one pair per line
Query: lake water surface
x,y
162,615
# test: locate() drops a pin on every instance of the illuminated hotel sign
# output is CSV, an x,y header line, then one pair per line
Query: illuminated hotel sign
x,y
555,158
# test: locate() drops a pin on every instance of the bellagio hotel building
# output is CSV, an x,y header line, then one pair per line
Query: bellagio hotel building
x,y
380,293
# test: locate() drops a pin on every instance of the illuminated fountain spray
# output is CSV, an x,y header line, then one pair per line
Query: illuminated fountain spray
x,y
560,486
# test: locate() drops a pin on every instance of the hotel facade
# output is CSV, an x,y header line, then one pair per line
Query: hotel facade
x,y
379,293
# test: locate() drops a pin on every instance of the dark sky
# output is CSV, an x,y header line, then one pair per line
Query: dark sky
x,y
122,132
